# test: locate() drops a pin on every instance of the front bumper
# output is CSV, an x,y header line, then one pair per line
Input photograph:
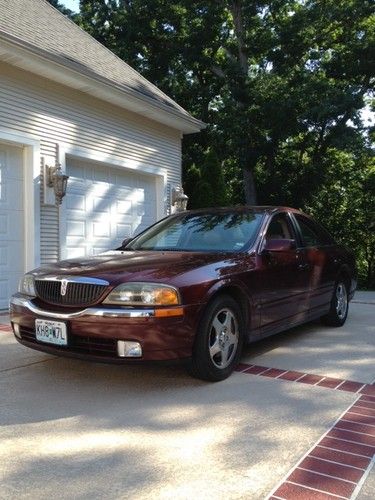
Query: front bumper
x,y
93,332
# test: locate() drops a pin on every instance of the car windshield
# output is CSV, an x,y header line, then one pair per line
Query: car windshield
x,y
196,232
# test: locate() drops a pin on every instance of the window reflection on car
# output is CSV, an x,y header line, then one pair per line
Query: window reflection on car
x,y
219,232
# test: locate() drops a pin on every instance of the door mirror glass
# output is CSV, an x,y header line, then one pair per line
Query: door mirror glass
x,y
279,245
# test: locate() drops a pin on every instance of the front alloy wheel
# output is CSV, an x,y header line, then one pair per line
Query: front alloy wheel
x,y
223,338
219,339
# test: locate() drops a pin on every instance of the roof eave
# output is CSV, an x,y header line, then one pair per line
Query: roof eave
x,y
59,69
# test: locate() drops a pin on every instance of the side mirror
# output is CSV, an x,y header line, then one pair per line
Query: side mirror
x,y
125,242
279,245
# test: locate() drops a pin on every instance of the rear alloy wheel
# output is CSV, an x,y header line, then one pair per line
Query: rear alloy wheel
x,y
339,305
219,340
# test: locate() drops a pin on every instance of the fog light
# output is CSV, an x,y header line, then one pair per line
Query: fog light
x,y
128,349
16,329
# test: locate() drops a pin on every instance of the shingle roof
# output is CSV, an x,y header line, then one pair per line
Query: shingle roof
x,y
40,25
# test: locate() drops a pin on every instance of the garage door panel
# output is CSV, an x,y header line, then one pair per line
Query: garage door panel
x,y
3,255
100,205
101,229
9,200
104,206
77,172
123,207
76,228
10,163
121,179
76,202
98,188
10,259
75,251
11,225
97,249
3,224
5,291
75,241
123,231
100,175
11,221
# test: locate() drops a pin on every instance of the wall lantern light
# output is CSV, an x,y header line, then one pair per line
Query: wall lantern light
x,y
179,199
58,181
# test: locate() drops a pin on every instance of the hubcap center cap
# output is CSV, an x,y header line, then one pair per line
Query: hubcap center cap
x,y
223,338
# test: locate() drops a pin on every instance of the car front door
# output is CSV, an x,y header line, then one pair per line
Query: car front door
x,y
283,279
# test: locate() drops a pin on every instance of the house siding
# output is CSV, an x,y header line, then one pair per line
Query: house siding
x,y
55,115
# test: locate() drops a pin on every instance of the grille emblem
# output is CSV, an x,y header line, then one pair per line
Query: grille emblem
x,y
64,285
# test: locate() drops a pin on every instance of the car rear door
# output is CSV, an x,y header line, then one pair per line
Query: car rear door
x,y
315,248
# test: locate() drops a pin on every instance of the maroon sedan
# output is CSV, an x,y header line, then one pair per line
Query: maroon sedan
x,y
196,285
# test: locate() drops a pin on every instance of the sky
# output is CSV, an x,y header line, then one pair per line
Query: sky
x,y
71,4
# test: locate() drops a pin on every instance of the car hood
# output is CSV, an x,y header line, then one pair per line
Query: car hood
x,y
117,266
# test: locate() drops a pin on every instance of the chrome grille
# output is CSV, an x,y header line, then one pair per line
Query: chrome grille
x,y
77,293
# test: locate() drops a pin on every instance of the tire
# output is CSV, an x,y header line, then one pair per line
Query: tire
x,y
339,307
219,340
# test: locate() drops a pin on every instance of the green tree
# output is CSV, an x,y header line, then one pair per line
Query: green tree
x,y
258,72
280,84
206,184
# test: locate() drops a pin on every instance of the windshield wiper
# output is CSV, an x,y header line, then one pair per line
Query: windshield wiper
x,y
163,249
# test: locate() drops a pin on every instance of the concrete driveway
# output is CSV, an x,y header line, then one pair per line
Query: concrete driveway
x,y
71,429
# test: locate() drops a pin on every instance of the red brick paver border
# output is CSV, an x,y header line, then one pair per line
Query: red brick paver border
x,y
5,328
336,466
308,378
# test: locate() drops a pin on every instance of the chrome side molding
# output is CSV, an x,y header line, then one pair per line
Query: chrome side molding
x,y
104,312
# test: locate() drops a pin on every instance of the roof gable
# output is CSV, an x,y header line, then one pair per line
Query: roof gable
x,y
38,25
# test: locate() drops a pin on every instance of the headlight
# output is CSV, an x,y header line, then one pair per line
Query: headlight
x,y
26,285
143,294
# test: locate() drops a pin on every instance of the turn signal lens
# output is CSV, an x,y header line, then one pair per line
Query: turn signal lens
x,y
166,296
143,294
167,313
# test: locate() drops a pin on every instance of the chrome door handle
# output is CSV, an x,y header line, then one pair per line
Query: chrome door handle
x,y
303,267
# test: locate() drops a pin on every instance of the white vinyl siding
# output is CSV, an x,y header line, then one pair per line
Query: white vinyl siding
x,y
57,115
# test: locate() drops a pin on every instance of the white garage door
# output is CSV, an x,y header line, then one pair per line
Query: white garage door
x,y
11,221
104,205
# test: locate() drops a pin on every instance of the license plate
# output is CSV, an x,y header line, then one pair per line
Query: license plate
x,y
51,332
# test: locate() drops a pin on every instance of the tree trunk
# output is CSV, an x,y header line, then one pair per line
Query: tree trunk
x,y
249,187
235,8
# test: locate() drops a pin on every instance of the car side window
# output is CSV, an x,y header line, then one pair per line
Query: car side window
x,y
279,228
311,235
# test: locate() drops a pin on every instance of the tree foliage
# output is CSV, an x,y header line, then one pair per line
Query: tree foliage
x,y
281,85
206,183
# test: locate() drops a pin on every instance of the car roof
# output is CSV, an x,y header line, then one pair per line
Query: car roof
x,y
242,208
